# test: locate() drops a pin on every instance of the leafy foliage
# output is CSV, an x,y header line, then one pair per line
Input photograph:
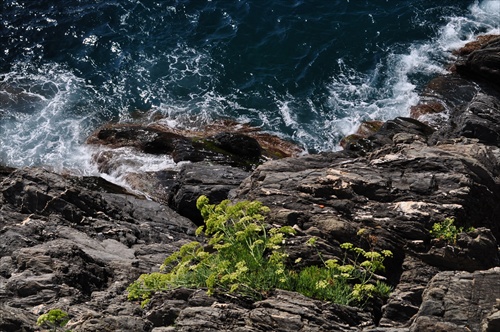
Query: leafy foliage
x,y
55,320
447,231
246,256
349,281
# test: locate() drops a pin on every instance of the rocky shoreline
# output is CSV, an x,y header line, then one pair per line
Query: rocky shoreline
x,y
76,243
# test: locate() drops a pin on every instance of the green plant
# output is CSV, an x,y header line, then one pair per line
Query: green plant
x,y
246,256
349,281
55,320
242,254
447,231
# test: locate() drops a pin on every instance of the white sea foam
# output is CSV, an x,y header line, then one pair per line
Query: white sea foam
x,y
46,113
38,126
354,97
484,18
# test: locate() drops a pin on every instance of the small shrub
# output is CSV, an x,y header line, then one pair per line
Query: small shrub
x,y
246,256
55,320
447,231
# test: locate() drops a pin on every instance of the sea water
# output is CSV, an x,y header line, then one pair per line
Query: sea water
x,y
309,71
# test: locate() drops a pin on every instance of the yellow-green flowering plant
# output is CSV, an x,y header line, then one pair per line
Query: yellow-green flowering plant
x,y
54,319
447,230
246,256
349,281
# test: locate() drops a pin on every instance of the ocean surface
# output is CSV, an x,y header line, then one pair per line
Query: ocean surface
x,y
307,70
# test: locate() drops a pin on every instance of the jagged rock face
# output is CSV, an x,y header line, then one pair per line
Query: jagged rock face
x,y
447,302
282,311
393,195
66,246
198,179
404,187
484,62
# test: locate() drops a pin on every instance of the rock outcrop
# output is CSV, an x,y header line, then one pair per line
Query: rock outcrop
x,y
233,144
76,243
63,245
447,302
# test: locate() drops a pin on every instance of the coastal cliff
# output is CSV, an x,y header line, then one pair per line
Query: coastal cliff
x,y
76,243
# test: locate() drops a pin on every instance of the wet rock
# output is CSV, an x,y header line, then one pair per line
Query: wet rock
x,y
144,138
357,140
475,45
441,96
234,144
426,108
385,134
484,63
238,144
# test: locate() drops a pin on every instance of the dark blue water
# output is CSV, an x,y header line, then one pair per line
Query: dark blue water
x,y
307,70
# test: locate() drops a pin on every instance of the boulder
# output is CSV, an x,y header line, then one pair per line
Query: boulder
x,y
473,250
367,141
479,119
194,180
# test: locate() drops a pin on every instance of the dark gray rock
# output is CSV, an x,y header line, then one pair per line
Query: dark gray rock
x,y
239,144
413,129
282,311
16,319
404,188
484,63
441,97
393,196
65,246
194,180
406,298
458,301
474,250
